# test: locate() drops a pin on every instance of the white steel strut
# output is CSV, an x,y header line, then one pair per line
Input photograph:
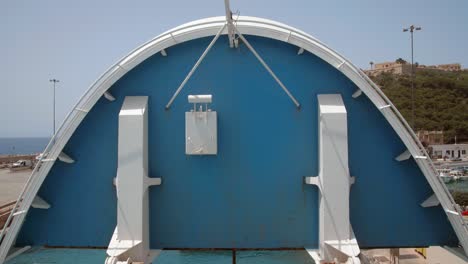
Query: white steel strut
x,y
194,68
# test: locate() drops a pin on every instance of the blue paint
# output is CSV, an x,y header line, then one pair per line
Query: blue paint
x,y
242,257
97,256
251,195
39,255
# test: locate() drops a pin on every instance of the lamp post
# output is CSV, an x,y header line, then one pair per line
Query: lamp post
x,y
411,29
54,81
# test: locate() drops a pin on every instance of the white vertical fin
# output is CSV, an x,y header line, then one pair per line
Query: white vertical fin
x,y
109,96
312,180
131,236
357,93
431,201
403,156
65,158
336,238
40,203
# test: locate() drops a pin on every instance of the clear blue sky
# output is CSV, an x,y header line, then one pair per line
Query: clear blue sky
x,y
76,41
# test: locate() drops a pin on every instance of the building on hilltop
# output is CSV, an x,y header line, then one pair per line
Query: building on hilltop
x,y
442,67
405,68
389,67
431,137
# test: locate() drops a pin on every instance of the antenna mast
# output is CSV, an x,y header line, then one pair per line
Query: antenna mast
x,y
229,23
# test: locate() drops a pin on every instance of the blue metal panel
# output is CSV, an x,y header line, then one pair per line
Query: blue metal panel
x,y
252,193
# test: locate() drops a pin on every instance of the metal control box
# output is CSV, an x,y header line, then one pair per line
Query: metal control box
x,y
201,137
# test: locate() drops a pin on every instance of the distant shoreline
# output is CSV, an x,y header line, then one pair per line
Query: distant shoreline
x,y
22,146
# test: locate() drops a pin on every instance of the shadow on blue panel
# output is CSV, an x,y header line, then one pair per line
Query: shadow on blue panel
x,y
40,255
242,257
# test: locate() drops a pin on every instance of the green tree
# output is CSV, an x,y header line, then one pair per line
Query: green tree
x,y
401,61
441,100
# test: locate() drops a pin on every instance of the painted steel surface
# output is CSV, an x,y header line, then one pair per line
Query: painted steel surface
x,y
251,194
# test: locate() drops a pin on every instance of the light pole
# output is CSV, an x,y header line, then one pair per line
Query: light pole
x,y
411,29
54,81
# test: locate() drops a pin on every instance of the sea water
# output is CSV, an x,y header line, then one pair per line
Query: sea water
x,y
14,146
40,255
459,185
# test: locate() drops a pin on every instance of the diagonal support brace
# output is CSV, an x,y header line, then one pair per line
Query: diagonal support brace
x,y
194,68
267,67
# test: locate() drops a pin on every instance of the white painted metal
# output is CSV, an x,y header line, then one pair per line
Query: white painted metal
x,y
431,201
357,93
200,98
19,213
164,53
131,236
267,67
81,110
313,180
195,66
201,137
420,157
40,203
384,107
209,27
452,212
109,96
315,255
403,156
334,181
17,253
201,126
300,51
63,157
229,23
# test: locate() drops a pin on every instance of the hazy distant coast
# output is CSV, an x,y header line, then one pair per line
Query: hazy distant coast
x,y
22,146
